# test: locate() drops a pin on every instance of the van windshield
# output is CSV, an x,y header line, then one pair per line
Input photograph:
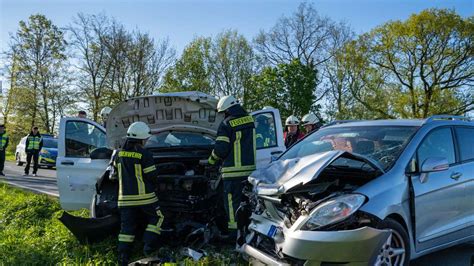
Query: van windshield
x,y
176,139
381,143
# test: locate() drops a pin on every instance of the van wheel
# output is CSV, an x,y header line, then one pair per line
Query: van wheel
x,y
396,250
17,158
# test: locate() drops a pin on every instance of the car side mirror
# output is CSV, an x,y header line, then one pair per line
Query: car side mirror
x,y
433,164
101,153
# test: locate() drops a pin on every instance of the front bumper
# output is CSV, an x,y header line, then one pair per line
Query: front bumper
x,y
349,247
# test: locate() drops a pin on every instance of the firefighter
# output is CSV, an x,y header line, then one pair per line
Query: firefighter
x,y
136,172
4,140
104,114
34,143
235,151
292,131
310,123
264,132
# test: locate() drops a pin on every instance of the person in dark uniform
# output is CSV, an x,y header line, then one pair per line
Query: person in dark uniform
x,y
235,151
136,173
4,140
34,143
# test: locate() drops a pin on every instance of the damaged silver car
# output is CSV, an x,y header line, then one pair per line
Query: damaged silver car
x,y
364,193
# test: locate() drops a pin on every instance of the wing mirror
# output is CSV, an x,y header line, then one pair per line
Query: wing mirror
x,y
101,153
433,164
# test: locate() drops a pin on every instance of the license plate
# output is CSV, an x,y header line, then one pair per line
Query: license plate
x,y
272,231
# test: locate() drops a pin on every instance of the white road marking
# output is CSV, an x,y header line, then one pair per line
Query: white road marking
x,y
30,188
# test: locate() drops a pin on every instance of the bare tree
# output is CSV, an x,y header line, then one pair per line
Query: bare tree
x,y
118,43
148,63
88,32
305,35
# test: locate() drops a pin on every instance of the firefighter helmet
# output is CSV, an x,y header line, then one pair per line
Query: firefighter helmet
x,y
104,113
138,130
309,119
226,102
292,121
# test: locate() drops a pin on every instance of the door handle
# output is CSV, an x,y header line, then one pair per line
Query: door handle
x,y
67,163
456,175
275,152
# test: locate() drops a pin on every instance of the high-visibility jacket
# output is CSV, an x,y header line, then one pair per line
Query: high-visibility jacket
x,y
235,145
264,139
135,171
34,143
4,140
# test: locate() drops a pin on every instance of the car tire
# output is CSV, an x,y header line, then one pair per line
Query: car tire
x,y
391,251
17,158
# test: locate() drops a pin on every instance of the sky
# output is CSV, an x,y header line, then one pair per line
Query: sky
x,y
182,20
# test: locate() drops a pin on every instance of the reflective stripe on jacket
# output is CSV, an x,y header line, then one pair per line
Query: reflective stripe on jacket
x,y
235,145
136,170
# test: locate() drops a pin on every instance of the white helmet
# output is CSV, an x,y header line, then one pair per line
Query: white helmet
x,y
138,130
104,113
292,121
309,119
226,102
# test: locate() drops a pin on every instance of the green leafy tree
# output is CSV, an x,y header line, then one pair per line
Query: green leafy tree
x,y
415,68
38,54
232,64
191,71
219,66
288,87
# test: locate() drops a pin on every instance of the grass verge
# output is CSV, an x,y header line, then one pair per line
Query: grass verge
x,y
10,156
31,234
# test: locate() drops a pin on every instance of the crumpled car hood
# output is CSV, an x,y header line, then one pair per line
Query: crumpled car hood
x,y
181,111
280,176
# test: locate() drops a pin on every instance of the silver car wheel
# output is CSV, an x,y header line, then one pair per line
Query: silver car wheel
x,y
392,251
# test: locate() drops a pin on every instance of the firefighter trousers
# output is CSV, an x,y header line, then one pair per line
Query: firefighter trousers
x,y
129,218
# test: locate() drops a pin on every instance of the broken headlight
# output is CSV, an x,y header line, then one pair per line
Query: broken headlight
x,y
333,210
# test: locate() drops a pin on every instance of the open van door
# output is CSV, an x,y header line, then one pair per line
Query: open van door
x,y
269,132
77,173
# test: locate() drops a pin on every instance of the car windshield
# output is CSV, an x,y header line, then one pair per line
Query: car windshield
x,y
380,143
50,143
174,139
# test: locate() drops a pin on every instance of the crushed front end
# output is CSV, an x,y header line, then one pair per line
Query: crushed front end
x,y
315,221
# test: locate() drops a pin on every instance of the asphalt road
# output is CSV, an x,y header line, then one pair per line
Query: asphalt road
x,y
45,183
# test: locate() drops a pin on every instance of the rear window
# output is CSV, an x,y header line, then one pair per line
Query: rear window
x,y
465,136
50,143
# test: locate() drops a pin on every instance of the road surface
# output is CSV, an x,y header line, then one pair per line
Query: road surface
x,y
45,183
